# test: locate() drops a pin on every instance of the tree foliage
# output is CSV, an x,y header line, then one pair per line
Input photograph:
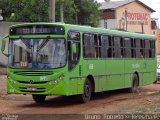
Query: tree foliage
x,y
83,12
88,12
70,9
25,10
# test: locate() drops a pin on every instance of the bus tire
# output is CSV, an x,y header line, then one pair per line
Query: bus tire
x,y
155,82
134,87
87,91
39,98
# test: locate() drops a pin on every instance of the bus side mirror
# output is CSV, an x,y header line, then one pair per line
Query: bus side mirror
x,y
4,45
74,49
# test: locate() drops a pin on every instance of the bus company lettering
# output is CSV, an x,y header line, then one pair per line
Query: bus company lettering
x,y
135,66
91,67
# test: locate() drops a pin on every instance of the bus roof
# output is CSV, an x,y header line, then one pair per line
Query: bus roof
x,y
92,29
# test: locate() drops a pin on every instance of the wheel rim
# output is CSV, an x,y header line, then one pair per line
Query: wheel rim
x,y
135,86
87,90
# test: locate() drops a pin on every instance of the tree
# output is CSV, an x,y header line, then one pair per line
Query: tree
x,y
88,12
25,10
69,11
84,12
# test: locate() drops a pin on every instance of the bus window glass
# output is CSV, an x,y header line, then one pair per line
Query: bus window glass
x,y
137,43
110,48
37,53
133,51
73,58
90,45
147,48
142,48
104,46
127,42
96,45
152,48
117,47
122,47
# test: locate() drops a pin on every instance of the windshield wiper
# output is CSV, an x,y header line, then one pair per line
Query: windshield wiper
x,y
26,42
42,45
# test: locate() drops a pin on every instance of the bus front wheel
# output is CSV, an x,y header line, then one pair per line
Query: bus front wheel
x,y
134,87
39,98
87,91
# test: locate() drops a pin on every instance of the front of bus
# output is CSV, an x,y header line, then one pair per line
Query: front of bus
x,y
37,60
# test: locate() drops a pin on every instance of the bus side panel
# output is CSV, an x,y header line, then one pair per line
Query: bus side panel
x,y
144,68
115,74
149,75
129,70
98,70
101,73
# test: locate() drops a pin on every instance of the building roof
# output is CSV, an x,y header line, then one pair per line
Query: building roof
x,y
117,4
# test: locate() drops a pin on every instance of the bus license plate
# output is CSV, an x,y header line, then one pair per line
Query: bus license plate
x,y
31,89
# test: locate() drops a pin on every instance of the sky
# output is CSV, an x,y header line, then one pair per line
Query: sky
x,y
154,4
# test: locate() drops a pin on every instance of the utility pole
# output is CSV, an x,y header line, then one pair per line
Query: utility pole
x,y
51,10
62,12
142,27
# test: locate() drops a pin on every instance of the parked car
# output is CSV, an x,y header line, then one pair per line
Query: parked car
x,y
158,73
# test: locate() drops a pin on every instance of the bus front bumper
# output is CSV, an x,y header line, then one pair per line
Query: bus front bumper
x,y
46,88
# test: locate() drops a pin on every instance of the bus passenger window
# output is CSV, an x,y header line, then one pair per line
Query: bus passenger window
x,y
96,41
110,48
90,45
73,59
142,49
133,51
152,49
147,47
127,45
117,47
104,46
137,42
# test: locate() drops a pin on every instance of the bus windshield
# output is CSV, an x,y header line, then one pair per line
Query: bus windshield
x,y
37,53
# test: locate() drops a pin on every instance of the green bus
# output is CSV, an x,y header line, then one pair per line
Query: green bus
x,y
62,59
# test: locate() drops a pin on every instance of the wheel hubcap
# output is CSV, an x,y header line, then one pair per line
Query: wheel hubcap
x,y
87,90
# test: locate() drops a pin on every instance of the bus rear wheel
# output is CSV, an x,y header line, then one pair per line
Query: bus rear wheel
x,y
39,98
134,87
87,92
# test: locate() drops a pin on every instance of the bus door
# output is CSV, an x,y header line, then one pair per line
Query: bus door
x,y
74,66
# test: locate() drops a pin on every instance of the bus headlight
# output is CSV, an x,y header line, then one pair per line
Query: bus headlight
x,y
59,79
13,81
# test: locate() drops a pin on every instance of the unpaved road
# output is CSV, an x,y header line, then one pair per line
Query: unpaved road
x,y
147,101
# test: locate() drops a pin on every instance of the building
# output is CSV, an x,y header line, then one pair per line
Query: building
x,y
129,15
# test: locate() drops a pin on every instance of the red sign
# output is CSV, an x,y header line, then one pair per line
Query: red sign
x,y
137,16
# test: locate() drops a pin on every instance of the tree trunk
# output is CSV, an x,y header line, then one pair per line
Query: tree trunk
x,y
62,12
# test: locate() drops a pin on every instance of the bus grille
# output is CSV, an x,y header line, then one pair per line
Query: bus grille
x,y
37,82
33,73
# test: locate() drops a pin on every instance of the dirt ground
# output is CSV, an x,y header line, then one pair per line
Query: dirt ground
x,y
146,101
